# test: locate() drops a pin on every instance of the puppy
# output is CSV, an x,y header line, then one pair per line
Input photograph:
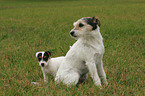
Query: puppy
x,y
48,65
85,55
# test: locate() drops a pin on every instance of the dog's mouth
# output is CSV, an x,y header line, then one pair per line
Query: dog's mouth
x,y
73,35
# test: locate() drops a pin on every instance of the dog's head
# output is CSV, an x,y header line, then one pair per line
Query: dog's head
x,y
43,58
85,26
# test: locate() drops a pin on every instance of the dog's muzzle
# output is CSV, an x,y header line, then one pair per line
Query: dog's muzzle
x,y
72,34
42,64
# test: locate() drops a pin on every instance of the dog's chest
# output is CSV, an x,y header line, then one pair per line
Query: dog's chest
x,y
46,70
49,71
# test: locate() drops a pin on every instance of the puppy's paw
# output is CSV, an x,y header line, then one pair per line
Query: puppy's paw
x,y
35,83
45,81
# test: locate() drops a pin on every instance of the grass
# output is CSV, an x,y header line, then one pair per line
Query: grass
x,y
30,26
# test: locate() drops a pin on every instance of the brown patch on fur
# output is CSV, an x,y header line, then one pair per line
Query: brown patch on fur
x,y
96,20
77,26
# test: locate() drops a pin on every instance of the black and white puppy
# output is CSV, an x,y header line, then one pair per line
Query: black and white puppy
x,y
48,65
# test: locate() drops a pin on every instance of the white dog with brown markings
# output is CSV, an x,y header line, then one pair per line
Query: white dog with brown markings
x,y
85,55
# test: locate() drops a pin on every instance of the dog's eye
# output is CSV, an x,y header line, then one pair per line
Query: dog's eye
x,y
81,25
39,58
45,58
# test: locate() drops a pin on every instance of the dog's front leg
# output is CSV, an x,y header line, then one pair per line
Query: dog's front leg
x,y
93,71
45,77
99,64
102,72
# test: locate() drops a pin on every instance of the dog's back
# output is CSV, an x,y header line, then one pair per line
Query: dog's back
x,y
53,65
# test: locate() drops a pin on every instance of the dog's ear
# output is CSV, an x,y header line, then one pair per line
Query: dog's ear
x,y
48,52
96,20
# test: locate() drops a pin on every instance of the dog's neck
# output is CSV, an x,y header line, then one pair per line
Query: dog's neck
x,y
94,40
95,37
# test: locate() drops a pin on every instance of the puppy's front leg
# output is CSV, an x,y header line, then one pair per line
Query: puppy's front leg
x,y
93,71
45,77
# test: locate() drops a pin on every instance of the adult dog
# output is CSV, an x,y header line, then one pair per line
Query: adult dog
x,y
85,55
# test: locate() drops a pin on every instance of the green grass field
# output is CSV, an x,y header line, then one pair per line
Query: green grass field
x,y
30,26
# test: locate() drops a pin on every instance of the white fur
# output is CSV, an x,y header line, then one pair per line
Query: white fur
x,y
84,56
51,66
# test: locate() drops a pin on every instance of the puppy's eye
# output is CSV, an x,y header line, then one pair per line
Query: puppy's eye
x,y
45,58
39,58
81,25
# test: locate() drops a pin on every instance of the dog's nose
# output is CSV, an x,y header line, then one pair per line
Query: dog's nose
x,y
42,64
72,33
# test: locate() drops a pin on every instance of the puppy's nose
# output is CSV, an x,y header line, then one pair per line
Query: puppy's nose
x,y
42,64
72,33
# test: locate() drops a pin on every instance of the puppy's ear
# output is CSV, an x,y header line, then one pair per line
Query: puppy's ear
x,y
96,20
37,53
48,52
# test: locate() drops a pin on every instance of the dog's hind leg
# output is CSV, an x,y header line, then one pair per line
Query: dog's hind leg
x,y
68,78
82,79
72,78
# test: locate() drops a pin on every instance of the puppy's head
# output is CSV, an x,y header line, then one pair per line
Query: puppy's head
x,y
43,58
85,26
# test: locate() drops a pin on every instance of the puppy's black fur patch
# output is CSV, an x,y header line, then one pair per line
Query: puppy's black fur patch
x,y
39,57
46,56
48,52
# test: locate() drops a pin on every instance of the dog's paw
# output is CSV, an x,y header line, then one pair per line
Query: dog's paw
x,y
36,83
45,81
105,83
100,87
98,84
